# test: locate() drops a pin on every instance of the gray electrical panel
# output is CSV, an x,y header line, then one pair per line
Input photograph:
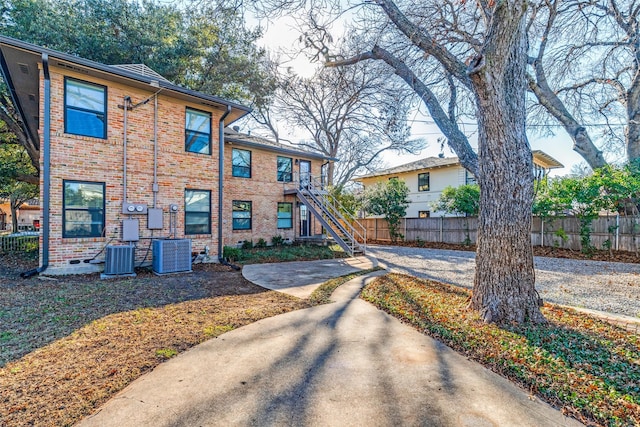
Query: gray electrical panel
x,y
154,219
130,230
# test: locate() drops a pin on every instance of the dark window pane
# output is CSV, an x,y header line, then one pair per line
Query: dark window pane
x,y
197,223
197,212
197,142
85,96
241,163
85,123
423,182
85,109
285,215
83,209
197,132
198,121
284,169
241,215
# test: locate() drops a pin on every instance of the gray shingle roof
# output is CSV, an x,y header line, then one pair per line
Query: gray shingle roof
x,y
142,70
233,136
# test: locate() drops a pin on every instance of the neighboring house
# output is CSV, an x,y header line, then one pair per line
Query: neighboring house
x,y
128,157
28,215
426,178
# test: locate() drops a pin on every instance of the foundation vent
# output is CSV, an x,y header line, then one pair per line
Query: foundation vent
x,y
119,260
171,256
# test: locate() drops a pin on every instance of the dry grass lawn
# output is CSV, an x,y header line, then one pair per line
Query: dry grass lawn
x,y
67,346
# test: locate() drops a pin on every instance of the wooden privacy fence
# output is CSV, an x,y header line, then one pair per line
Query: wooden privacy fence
x,y
621,233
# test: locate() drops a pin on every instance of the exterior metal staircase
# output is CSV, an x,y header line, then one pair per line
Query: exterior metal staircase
x,y
345,229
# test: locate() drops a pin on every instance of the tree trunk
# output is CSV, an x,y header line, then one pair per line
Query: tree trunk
x,y
14,214
504,286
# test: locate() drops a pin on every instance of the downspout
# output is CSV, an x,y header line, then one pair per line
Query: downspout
x,y
154,187
221,177
46,171
46,166
126,102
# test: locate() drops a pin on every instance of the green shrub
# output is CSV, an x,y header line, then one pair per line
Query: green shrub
x,y
247,244
277,240
261,243
230,253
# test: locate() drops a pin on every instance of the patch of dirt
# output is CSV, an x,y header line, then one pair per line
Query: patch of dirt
x,y
596,255
67,344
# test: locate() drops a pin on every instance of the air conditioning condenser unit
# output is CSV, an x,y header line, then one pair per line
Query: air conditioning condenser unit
x,y
119,261
171,256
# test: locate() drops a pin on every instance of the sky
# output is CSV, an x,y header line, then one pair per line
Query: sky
x,y
282,34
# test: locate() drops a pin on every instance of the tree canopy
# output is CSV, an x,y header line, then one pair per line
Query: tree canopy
x,y
390,199
204,47
462,200
351,113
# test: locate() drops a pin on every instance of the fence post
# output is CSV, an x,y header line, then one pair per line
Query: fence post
x,y
617,231
441,226
542,232
405,229
375,227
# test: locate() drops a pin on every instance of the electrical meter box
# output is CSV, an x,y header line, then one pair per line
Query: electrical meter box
x,y
154,219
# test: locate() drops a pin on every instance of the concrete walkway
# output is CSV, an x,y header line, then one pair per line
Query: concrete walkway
x,y
340,364
301,278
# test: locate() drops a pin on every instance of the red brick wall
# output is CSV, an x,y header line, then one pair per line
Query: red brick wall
x,y
101,160
264,191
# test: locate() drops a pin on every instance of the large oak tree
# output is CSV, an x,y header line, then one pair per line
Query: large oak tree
x,y
480,50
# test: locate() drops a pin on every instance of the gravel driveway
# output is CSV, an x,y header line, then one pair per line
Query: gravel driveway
x,y
605,286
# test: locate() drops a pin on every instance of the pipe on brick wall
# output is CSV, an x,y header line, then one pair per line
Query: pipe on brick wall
x,y
46,169
125,108
221,177
155,187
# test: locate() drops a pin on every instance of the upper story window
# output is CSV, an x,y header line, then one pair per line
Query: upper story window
x,y
424,214
241,163
83,209
85,108
197,133
469,178
197,212
423,181
285,166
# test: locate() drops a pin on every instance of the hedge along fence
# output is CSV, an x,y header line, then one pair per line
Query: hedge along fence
x,y
621,233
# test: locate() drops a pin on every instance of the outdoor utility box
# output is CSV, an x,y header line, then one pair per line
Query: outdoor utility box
x,y
130,230
154,219
171,256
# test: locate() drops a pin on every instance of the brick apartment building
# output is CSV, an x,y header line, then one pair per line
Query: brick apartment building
x,y
128,158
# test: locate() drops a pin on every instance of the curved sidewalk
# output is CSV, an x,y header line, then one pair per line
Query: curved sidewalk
x,y
340,364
